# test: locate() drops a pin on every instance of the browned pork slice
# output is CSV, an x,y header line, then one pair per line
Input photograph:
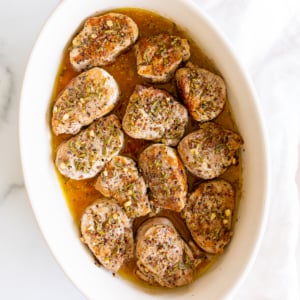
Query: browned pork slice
x,y
203,92
89,96
209,151
121,180
153,114
107,231
165,175
159,56
84,155
162,256
101,40
208,215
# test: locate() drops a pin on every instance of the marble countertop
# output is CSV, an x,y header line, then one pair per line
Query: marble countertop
x,y
266,36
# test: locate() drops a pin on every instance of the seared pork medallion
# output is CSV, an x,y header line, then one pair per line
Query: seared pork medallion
x,y
101,40
209,151
165,175
107,231
203,92
209,213
121,180
163,257
89,96
159,56
84,155
119,185
153,114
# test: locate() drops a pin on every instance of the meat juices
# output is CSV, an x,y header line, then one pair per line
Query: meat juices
x,y
155,188
87,97
101,40
107,231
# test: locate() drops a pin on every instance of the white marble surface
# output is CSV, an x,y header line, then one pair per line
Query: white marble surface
x,y
266,36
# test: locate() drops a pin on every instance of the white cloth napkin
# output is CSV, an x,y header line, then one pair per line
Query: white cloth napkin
x,y
266,37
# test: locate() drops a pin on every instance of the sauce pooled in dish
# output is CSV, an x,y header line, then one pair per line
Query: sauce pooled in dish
x,y
132,168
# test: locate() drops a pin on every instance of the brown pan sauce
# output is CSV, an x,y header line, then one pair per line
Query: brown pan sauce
x,y
80,194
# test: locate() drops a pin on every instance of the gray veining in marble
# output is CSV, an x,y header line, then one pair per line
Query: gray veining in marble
x,y
10,189
6,91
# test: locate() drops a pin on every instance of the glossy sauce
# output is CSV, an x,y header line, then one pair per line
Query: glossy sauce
x,y
80,194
